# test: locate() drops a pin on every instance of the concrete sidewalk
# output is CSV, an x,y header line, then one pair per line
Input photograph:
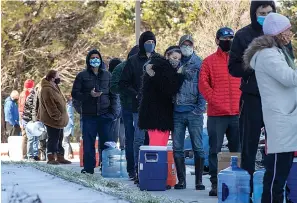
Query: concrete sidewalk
x,y
189,195
27,184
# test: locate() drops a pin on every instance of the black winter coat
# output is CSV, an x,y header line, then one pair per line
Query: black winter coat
x,y
130,82
241,41
85,82
156,106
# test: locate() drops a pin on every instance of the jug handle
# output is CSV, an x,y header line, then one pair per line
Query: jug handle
x,y
225,192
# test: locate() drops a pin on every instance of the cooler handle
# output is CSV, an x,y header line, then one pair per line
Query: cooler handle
x,y
148,157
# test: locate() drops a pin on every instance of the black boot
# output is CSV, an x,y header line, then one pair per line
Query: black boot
x,y
199,166
181,173
214,190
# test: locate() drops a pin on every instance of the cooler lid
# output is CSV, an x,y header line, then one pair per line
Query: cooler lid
x,y
153,148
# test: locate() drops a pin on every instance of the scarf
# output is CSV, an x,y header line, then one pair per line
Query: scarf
x,y
289,58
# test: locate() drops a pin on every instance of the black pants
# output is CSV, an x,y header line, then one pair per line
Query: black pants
x,y
55,140
115,130
217,126
250,125
277,171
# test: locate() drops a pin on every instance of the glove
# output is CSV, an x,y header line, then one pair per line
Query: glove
x,y
149,70
180,70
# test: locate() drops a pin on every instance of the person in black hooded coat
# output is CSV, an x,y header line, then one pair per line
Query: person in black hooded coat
x,y
250,115
160,84
99,106
130,84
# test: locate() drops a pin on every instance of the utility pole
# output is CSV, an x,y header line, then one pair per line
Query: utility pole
x,y
137,20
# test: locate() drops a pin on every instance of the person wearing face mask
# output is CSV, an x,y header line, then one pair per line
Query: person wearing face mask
x,y
130,84
222,94
99,107
52,113
250,113
160,83
276,74
189,106
11,114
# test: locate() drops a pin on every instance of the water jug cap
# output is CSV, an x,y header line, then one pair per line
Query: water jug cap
x,y
111,144
234,160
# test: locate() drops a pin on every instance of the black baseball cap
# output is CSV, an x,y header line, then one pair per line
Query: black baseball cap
x,y
225,32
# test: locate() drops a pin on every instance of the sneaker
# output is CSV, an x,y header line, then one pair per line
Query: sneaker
x,y
84,171
136,181
132,177
36,158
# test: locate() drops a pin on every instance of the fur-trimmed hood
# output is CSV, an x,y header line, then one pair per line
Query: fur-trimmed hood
x,y
257,44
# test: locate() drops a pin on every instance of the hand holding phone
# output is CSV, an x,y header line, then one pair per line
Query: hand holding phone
x,y
95,94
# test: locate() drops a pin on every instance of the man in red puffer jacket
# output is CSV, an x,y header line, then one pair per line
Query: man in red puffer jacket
x,y
28,86
222,94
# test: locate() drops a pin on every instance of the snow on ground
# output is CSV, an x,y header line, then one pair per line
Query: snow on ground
x,y
22,180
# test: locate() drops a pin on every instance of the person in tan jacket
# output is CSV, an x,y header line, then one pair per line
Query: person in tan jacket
x,y
53,114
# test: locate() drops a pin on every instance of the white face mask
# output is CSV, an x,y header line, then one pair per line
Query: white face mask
x,y
187,50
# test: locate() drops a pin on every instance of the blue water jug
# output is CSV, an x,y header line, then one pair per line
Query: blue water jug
x,y
111,163
258,185
124,173
234,184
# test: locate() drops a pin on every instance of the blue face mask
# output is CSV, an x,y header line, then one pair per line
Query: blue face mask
x,y
95,62
149,48
260,19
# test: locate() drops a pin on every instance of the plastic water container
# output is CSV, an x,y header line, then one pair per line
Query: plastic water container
x,y
111,163
123,163
234,184
15,149
258,185
153,168
292,182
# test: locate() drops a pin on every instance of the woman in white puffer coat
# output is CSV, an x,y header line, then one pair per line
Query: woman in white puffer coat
x,y
276,76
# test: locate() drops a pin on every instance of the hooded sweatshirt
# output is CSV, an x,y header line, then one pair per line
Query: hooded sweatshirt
x,y
131,78
86,81
242,39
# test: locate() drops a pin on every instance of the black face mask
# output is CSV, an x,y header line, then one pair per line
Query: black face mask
x,y
57,81
225,45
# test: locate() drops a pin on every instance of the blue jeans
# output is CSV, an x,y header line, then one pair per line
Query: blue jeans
x,y
139,136
93,125
195,127
129,140
32,143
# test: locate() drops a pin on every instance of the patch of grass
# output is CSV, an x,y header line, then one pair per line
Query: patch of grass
x,y
110,187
